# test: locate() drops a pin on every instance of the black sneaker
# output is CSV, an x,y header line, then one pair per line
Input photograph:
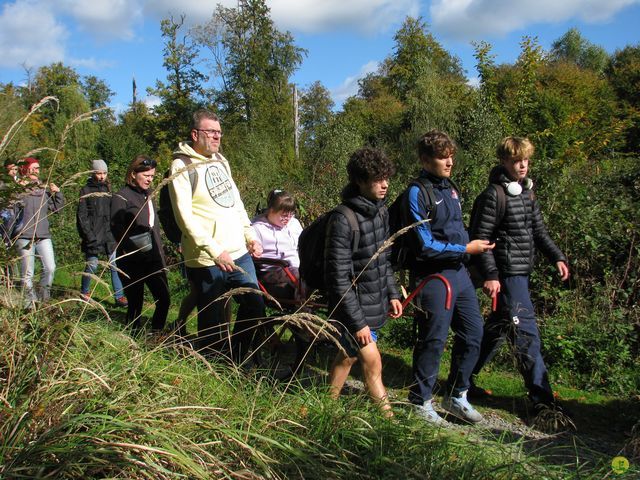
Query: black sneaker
x,y
478,392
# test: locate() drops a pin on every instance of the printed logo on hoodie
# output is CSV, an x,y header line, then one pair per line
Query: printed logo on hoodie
x,y
219,186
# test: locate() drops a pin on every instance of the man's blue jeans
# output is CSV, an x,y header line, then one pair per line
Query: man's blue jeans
x,y
92,267
210,284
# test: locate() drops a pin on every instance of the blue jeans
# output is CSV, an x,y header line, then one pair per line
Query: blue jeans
x,y
92,267
465,320
515,320
27,250
210,283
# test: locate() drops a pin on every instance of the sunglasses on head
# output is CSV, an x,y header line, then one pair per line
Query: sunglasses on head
x,y
147,163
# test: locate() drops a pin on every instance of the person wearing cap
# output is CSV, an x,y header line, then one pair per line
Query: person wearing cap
x,y
93,220
34,238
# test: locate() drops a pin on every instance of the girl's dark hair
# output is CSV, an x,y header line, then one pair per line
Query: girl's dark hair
x,y
369,164
141,163
281,201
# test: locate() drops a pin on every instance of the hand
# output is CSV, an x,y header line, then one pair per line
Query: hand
x,y
225,262
476,247
563,270
53,188
363,336
491,288
255,248
396,308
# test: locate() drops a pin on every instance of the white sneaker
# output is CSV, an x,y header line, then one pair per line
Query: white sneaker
x,y
461,408
428,413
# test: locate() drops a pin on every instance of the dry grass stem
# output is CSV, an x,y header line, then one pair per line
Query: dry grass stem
x,y
95,277
13,129
179,172
71,181
95,195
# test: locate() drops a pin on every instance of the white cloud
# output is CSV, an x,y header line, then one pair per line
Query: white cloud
x,y
151,101
367,16
350,85
102,18
91,63
473,82
30,34
478,19
196,11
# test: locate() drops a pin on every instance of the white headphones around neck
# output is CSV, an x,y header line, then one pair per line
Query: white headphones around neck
x,y
515,188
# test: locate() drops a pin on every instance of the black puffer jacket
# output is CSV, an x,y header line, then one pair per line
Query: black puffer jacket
x,y
368,303
93,218
520,232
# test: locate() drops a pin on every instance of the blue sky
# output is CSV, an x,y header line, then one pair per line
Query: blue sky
x,y
345,39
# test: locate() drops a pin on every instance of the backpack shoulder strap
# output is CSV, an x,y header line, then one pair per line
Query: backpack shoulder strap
x,y
501,203
193,174
353,224
426,188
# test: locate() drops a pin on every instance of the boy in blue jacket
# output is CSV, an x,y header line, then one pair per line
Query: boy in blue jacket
x,y
444,247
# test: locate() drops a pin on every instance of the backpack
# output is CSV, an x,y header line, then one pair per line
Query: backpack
x,y
165,211
405,251
311,246
11,222
501,206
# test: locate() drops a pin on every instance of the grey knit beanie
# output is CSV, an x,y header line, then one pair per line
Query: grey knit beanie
x,y
99,166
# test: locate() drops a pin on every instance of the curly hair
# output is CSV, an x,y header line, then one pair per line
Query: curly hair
x,y
436,144
369,164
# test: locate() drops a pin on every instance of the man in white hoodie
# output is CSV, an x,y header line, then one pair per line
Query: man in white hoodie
x,y
217,238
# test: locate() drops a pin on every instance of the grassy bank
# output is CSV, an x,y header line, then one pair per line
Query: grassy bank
x,y
80,398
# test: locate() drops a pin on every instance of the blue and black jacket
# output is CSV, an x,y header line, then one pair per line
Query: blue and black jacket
x,y
443,240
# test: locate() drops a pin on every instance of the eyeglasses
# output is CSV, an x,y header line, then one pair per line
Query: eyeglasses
x,y
286,216
210,133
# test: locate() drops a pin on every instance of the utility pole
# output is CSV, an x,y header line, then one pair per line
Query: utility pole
x,y
296,122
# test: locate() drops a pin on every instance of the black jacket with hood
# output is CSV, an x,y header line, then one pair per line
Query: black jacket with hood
x,y
520,232
93,218
368,302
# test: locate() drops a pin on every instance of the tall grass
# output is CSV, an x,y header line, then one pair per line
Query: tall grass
x,y
82,399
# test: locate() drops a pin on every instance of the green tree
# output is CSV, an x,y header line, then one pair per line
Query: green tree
x,y
417,53
183,91
623,73
574,48
316,109
251,65
98,95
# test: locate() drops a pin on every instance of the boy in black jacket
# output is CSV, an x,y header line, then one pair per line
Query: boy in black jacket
x,y
361,308
506,269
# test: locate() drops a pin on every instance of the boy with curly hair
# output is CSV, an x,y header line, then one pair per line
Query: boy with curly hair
x,y
361,286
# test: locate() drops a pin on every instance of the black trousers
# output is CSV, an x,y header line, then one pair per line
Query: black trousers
x,y
141,272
